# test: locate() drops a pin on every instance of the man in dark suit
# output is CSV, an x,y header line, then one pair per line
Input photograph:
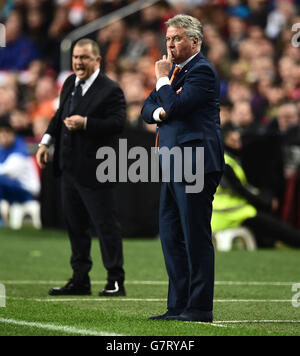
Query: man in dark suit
x,y
91,114
186,109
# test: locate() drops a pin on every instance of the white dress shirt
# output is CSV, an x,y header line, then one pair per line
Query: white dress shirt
x,y
47,139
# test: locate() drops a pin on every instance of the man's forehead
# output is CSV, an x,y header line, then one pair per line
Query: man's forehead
x,y
85,49
172,30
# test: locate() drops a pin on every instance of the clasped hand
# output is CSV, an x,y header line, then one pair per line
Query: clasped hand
x,y
74,123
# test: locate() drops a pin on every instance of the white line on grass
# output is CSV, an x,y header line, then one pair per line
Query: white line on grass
x,y
53,327
117,299
224,283
256,321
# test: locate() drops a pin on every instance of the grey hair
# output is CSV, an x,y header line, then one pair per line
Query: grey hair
x,y
192,25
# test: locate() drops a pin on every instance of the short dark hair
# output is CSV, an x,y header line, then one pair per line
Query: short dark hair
x,y
228,128
5,124
94,44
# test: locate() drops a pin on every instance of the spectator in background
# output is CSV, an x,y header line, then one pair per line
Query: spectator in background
x,y
145,66
237,33
35,20
132,85
289,74
286,124
28,81
238,91
19,50
57,30
279,18
92,13
287,118
44,102
136,48
8,100
219,57
258,12
225,112
20,122
242,117
237,203
134,114
114,45
19,179
274,97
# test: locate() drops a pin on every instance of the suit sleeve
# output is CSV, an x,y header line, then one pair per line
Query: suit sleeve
x,y
151,104
200,86
53,127
112,119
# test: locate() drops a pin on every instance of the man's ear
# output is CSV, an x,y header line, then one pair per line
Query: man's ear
x,y
195,42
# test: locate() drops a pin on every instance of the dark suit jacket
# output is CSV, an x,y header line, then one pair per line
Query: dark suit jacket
x,y
193,114
104,106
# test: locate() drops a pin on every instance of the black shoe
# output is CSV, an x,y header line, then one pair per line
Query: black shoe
x,y
204,317
72,288
163,316
113,289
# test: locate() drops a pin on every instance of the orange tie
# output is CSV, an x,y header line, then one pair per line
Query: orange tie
x,y
176,71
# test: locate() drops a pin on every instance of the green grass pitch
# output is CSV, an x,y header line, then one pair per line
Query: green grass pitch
x,y
255,292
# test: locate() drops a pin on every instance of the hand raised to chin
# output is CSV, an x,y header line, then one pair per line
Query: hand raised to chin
x,y
163,66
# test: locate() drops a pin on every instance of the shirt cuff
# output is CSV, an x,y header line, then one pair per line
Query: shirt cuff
x,y
156,114
161,82
85,123
46,140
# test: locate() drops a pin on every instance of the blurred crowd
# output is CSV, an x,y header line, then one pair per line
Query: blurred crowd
x,y
253,44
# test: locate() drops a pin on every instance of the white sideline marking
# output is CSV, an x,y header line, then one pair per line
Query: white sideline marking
x,y
225,283
255,321
100,299
117,299
253,300
53,327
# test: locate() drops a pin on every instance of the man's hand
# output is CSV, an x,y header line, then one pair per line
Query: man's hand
x,y
75,123
163,67
163,115
42,156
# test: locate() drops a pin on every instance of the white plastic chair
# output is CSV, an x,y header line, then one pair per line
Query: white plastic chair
x,y
224,239
14,214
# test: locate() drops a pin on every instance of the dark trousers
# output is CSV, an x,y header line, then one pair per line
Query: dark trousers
x,y
81,206
269,229
185,232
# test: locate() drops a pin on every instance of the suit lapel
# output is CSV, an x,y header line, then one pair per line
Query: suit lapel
x,y
67,92
187,67
91,93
